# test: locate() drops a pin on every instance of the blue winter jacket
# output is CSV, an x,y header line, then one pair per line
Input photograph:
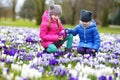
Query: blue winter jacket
x,y
89,36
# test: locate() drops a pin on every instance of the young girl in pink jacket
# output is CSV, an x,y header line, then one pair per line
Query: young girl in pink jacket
x,y
51,28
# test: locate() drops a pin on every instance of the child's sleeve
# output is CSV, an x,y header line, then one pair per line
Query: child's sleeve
x,y
96,39
74,31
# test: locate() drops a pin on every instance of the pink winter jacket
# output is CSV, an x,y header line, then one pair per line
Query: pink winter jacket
x,y
49,36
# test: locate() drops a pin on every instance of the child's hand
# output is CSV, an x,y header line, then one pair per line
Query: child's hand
x,y
66,30
93,50
60,37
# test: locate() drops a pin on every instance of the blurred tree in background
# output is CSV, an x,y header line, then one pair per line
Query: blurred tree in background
x,y
13,9
0,10
73,4
12,4
6,9
105,12
28,10
96,6
33,9
116,18
40,7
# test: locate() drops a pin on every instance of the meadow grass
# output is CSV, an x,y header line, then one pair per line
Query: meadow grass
x,y
30,24
18,23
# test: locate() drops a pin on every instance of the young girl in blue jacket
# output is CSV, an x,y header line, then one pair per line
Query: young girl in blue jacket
x,y
88,34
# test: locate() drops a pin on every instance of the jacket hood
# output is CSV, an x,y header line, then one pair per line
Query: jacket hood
x,y
46,16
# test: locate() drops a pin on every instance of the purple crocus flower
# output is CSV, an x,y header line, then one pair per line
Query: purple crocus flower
x,y
107,43
108,56
3,41
71,78
56,55
6,51
8,62
41,69
62,33
118,40
69,55
115,67
110,78
28,39
53,62
29,57
60,53
116,53
56,73
21,56
39,54
2,60
117,57
63,72
22,50
102,77
5,47
116,74
34,66
0,47
25,78
12,52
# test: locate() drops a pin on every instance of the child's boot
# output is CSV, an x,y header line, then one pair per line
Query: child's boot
x,y
67,50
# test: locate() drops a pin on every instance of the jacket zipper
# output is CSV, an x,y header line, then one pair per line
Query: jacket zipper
x,y
84,37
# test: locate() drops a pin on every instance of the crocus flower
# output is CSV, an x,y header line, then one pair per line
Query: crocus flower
x,y
110,78
102,77
39,54
2,59
71,78
53,62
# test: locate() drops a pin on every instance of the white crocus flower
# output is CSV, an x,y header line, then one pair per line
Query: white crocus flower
x,y
105,71
34,73
73,73
2,64
69,66
35,60
18,78
9,77
1,44
83,77
16,67
5,71
77,67
3,55
24,73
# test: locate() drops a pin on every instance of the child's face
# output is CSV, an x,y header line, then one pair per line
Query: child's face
x,y
55,17
85,24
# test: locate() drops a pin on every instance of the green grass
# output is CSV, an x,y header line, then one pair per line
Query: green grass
x,y
109,30
18,23
30,24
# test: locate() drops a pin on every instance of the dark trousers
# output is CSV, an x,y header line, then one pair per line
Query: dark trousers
x,y
83,50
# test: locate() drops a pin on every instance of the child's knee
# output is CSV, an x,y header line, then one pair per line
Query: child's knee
x,y
70,36
80,50
89,51
52,48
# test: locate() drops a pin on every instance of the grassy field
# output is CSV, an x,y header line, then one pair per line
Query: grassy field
x,y
18,23
27,23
